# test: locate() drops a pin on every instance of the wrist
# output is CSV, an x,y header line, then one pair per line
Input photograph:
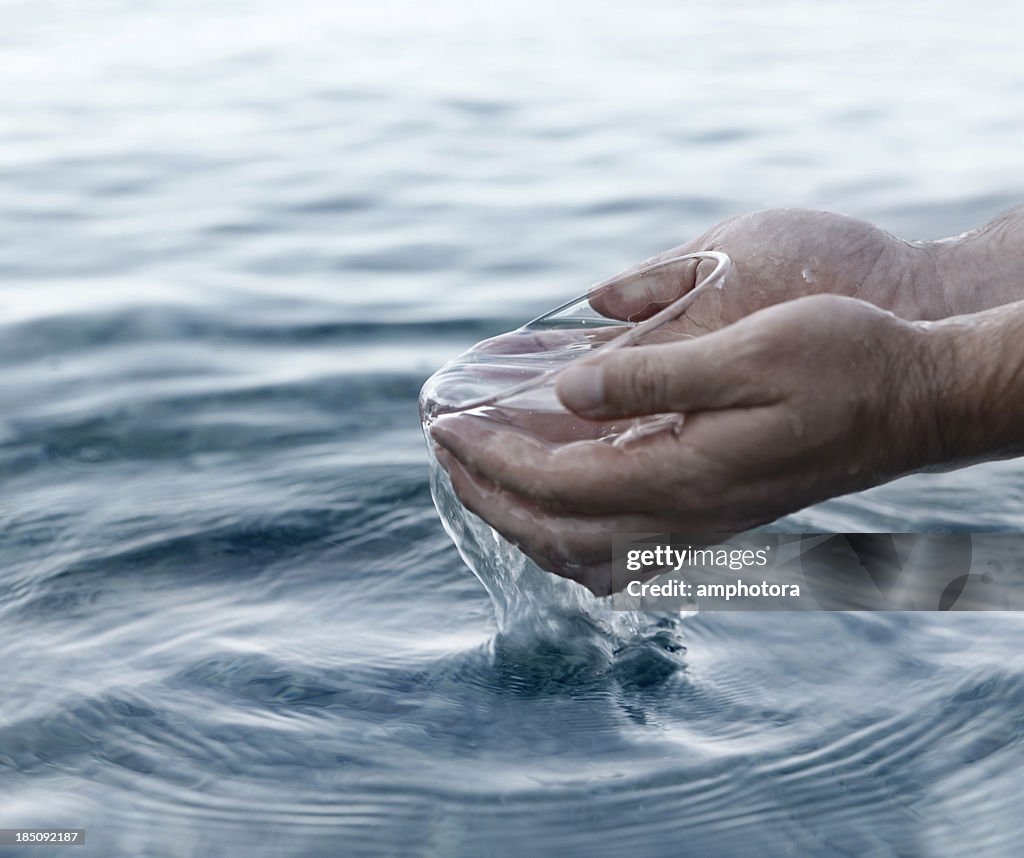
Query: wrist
x,y
971,370
980,269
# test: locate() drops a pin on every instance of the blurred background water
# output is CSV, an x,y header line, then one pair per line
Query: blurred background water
x,y
237,237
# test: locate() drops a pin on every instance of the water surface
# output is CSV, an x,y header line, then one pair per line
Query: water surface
x,y
237,237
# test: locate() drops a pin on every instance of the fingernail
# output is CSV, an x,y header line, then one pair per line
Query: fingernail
x,y
448,431
439,432
582,388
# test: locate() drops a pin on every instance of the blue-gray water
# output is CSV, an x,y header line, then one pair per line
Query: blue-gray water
x,y
237,237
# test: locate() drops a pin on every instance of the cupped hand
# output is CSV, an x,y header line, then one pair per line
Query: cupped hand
x,y
788,406
782,254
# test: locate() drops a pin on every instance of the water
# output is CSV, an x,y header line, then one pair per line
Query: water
x,y
237,239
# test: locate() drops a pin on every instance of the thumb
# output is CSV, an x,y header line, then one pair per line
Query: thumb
x,y
693,375
640,291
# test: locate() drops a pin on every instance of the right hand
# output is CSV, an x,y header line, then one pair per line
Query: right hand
x,y
794,404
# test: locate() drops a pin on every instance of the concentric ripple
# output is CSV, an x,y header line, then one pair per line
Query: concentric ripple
x,y
238,237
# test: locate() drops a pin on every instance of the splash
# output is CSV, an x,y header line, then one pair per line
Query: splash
x,y
553,623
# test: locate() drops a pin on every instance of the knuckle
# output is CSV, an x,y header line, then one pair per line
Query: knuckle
x,y
647,385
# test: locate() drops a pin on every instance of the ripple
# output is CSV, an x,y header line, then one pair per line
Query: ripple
x,y
230,621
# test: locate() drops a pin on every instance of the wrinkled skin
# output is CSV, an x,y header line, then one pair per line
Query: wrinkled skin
x,y
795,389
785,408
782,254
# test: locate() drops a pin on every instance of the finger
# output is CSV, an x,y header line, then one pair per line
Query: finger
x,y
597,577
722,369
530,341
554,426
601,578
523,526
552,540
585,477
567,539
576,548
634,295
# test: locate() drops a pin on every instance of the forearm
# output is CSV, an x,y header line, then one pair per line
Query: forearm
x,y
983,268
976,363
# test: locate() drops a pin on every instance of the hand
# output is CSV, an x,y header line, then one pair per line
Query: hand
x,y
793,404
782,254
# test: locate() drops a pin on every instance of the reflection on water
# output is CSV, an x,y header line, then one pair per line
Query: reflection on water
x,y
237,239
